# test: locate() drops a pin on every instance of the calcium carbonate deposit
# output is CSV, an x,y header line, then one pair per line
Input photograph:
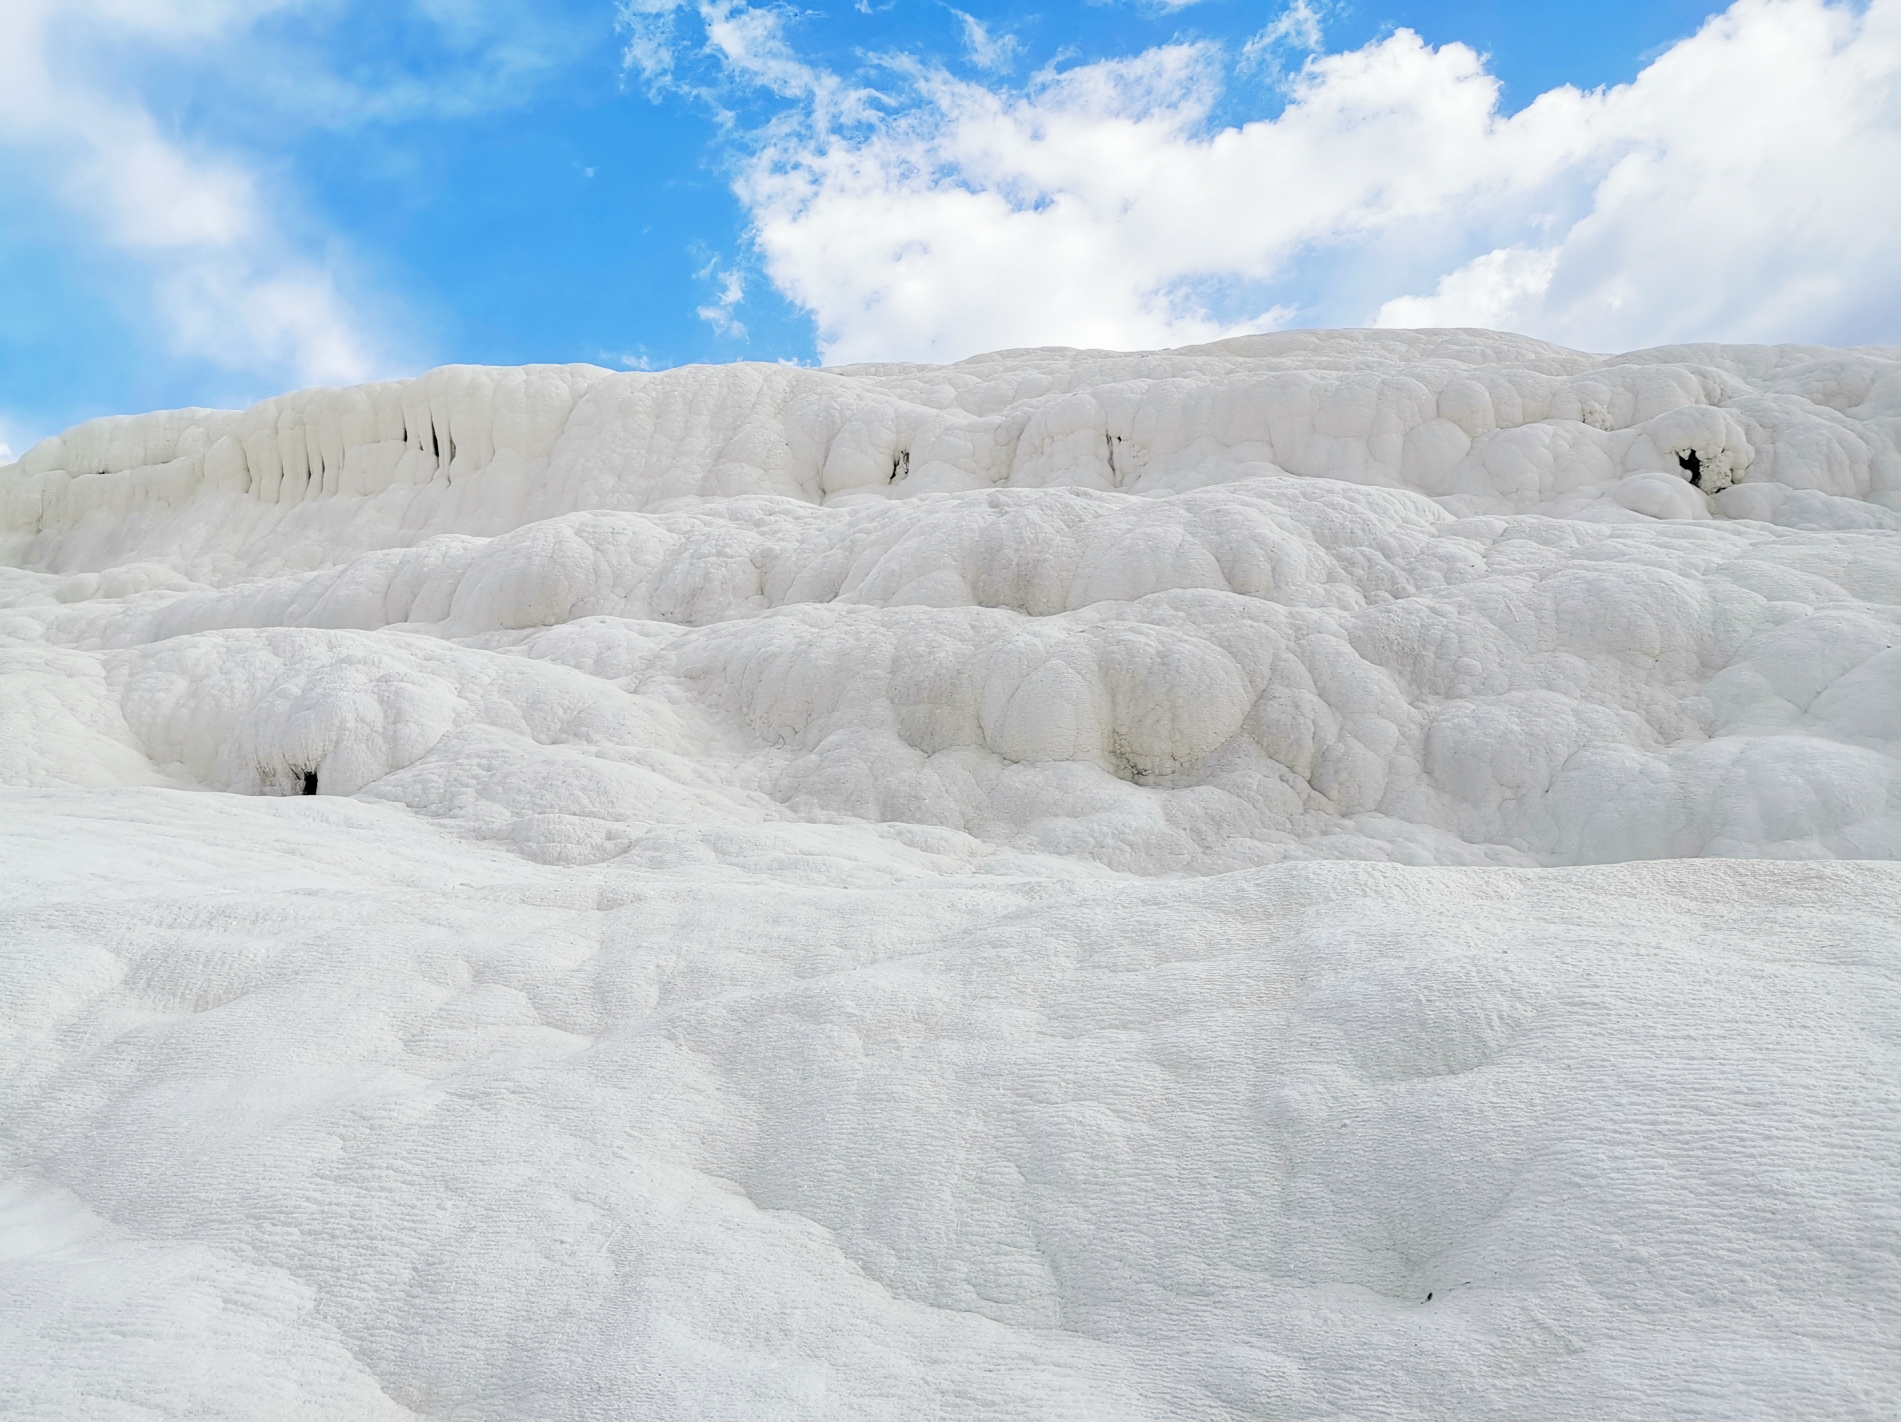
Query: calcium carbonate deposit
x,y
1327,875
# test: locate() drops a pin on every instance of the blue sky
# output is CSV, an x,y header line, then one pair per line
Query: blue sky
x,y
212,200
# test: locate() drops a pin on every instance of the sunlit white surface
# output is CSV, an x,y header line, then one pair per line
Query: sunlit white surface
x,y
798,913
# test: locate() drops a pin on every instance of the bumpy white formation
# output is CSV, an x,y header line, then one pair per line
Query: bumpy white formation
x,y
1434,597
749,950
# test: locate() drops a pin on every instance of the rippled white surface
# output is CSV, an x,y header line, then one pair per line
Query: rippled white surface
x,y
797,914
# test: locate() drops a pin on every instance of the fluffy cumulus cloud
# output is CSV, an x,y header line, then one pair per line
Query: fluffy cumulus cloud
x,y
222,278
1743,187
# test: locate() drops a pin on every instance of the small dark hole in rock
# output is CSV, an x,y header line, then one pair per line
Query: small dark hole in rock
x,y
1428,1298
1694,463
310,782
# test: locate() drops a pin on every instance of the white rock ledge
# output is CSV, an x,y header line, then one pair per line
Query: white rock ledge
x,y
1435,597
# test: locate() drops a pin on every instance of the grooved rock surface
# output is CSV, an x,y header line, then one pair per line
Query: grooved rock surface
x,y
1073,884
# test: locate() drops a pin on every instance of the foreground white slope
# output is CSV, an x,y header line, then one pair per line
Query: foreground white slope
x,y
766,938
318,1113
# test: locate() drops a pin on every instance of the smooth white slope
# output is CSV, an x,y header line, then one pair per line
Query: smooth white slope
x,y
762,948
319,1114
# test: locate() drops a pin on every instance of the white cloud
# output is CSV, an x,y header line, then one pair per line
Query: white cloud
x,y
1094,208
986,49
1745,186
1491,290
751,43
650,47
279,315
718,313
1296,27
222,277
748,44
226,266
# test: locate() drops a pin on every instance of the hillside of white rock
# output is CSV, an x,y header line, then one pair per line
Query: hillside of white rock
x,y
1326,875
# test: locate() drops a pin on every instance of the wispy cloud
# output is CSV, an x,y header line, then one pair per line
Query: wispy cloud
x,y
730,291
986,48
223,279
649,48
1296,28
745,44
205,243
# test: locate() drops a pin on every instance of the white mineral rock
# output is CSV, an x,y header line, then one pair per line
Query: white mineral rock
x,y
744,941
